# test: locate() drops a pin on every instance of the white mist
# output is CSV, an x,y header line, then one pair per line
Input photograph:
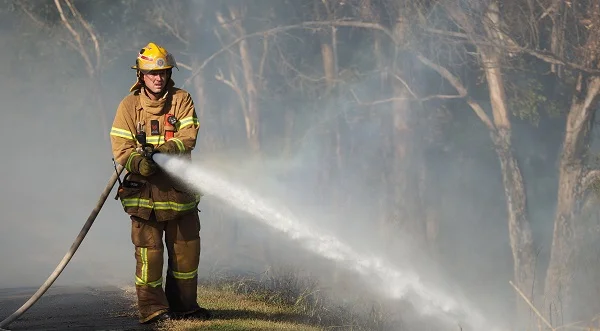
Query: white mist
x,y
393,283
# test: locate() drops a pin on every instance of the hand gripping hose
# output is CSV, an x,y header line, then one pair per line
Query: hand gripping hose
x,y
61,266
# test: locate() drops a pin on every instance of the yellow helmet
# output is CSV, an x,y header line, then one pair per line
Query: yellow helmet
x,y
154,57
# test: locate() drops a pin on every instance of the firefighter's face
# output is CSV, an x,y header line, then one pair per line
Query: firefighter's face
x,y
155,80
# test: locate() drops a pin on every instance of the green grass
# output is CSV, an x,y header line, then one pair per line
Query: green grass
x,y
284,302
233,311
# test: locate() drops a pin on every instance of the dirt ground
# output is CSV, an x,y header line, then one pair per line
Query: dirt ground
x,y
73,308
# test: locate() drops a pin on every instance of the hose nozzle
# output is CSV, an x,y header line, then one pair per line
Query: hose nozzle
x,y
147,149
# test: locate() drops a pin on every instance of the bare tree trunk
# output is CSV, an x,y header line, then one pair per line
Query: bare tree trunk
x,y
519,228
571,177
251,117
429,213
209,141
81,31
406,206
557,39
328,64
405,203
368,13
97,91
289,132
330,70
199,95
248,91
332,150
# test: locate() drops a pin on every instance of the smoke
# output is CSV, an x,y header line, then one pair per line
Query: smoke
x,y
57,158
380,274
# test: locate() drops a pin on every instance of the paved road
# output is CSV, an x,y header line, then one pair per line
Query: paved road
x,y
73,308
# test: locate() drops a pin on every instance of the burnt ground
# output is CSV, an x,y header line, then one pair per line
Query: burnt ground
x,y
72,308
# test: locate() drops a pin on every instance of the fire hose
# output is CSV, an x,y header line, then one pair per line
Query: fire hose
x,y
63,263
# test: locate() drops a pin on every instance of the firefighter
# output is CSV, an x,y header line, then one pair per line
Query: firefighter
x,y
158,205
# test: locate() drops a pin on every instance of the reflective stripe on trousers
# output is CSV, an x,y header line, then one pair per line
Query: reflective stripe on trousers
x,y
182,239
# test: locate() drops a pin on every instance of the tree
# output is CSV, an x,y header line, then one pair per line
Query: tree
x,y
486,27
574,64
81,37
575,177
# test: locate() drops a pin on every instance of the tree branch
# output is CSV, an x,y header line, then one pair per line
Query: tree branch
x,y
430,97
414,98
77,38
515,48
89,30
34,18
263,59
218,35
531,305
304,25
184,66
162,23
234,87
405,85
38,22
461,89
298,73
225,24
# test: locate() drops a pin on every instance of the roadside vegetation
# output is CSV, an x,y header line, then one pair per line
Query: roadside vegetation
x,y
279,302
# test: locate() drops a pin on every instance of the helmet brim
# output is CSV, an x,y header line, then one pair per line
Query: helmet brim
x,y
145,71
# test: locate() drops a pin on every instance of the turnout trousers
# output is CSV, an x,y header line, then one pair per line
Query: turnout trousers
x,y
182,239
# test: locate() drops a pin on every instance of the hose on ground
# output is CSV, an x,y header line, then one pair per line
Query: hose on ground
x,y
61,266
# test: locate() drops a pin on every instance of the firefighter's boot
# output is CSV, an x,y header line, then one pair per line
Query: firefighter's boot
x,y
147,238
183,245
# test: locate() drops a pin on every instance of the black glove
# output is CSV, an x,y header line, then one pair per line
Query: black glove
x,y
144,166
170,147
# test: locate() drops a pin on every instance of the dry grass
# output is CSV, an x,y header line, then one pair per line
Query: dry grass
x,y
543,324
284,302
233,311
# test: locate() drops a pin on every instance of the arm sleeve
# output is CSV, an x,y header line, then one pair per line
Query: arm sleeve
x,y
122,139
187,126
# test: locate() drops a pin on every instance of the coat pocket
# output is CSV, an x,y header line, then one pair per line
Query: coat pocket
x,y
135,198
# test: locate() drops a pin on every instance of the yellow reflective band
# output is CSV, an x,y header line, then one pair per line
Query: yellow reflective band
x,y
144,254
184,275
116,132
159,205
143,280
155,140
170,205
131,156
187,121
179,144
140,282
136,202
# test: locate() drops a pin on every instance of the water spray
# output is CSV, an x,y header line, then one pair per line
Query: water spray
x,y
394,283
